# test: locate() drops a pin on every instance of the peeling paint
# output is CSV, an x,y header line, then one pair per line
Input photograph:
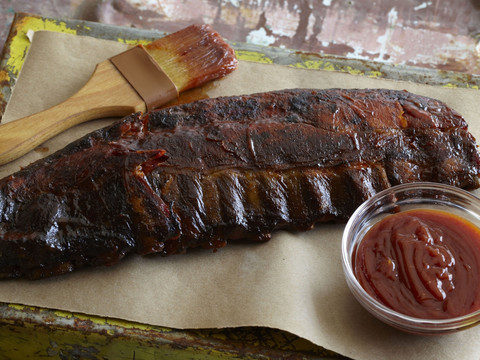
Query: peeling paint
x,y
235,3
357,54
260,37
385,38
253,56
281,22
423,5
21,43
309,25
450,86
146,5
133,42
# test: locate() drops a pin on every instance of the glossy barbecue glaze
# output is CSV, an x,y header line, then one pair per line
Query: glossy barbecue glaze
x,y
223,169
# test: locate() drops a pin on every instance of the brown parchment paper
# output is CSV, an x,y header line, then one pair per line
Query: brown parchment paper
x,y
294,282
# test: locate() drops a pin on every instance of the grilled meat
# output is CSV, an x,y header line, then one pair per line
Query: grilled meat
x,y
223,169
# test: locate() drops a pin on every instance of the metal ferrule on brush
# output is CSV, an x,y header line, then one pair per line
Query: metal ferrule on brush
x,y
147,78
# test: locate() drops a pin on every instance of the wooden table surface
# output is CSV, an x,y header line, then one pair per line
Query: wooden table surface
x,y
435,34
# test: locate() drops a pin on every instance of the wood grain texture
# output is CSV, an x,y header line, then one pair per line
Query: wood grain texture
x,y
106,94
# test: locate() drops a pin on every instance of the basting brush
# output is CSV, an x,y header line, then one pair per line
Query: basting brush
x,y
139,79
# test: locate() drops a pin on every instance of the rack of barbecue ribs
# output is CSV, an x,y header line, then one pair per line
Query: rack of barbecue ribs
x,y
224,169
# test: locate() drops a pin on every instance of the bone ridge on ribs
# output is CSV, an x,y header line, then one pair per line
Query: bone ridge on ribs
x,y
216,170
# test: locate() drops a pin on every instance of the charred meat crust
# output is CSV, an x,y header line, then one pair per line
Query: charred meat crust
x,y
217,170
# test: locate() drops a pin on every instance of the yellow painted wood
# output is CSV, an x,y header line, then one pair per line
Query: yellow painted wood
x,y
19,44
28,341
27,332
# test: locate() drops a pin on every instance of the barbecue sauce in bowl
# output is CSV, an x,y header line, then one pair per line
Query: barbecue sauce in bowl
x,y
421,263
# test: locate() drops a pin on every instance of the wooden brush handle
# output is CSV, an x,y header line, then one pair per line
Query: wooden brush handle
x,y
106,94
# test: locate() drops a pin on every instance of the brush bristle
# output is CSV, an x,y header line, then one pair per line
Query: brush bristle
x,y
193,56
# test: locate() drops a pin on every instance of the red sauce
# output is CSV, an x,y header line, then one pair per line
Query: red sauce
x,y
422,263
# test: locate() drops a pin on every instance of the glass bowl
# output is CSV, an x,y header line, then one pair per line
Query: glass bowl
x,y
398,199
